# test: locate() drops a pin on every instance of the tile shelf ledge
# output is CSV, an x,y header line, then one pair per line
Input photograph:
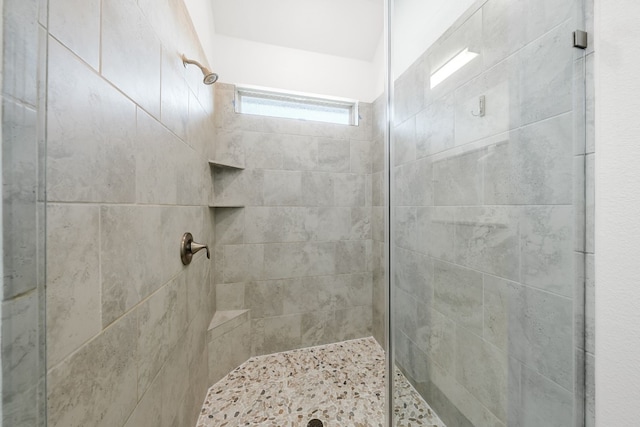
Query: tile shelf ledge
x,y
221,164
226,206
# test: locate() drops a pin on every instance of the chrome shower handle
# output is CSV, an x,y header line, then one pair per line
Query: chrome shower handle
x,y
188,248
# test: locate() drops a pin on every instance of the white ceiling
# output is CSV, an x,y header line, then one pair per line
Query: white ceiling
x,y
347,28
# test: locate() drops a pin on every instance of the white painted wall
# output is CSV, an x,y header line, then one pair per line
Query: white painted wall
x,y
617,229
201,12
242,61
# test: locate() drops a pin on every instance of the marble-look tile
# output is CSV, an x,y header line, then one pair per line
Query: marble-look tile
x,y
414,183
129,277
263,150
299,152
435,127
267,298
229,146
498,300
148,412
229,226
157,152
333,223
545,69
436,336
544,402
486,239
131,53
405,228
546,244
404,141
230,296
91,129
534,166
377,188
73,282
22,47
414,274
20,178
200,128
242,263
282,188
482,369
229,351
540,333
360,223
351,256
77,25
23,361
97,384
458,294
349,189
378,214
285,260
174,102
354,322
457,180
360,156
280,334
435,232
242,187
317,328
317,189
162,320
280,224
409,92
334,155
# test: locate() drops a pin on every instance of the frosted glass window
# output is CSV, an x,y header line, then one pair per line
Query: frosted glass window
x,y
295,106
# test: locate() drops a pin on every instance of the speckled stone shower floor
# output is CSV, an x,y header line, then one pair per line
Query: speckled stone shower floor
x,y
340,384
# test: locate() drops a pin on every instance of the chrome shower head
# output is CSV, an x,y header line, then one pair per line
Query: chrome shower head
x,y
209,76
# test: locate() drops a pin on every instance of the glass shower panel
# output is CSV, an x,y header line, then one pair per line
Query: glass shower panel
x,y
487,217
22,328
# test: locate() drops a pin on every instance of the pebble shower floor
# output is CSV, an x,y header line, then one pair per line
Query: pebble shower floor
x,y
340,384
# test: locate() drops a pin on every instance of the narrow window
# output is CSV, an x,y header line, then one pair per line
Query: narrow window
x,y
289,105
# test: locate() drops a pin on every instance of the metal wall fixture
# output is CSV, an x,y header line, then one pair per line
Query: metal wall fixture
x,y
188,248
209,76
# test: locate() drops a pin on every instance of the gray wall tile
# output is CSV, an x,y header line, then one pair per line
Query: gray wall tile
x,y
73,288
458,295
91,130
129,43
77,25
97,384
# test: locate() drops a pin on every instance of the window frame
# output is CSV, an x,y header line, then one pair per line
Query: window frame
x,y
297,97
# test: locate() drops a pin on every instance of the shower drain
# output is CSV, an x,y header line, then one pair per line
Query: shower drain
x,y
315,423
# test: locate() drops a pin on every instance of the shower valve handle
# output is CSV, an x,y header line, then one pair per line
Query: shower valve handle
x,y
188,248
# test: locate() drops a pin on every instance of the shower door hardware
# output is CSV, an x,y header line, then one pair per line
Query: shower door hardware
x,y
580,39
188,248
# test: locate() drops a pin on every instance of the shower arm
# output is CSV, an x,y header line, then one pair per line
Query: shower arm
x,y
186,61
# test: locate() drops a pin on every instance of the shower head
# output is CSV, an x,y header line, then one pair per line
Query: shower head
x,y
209,76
